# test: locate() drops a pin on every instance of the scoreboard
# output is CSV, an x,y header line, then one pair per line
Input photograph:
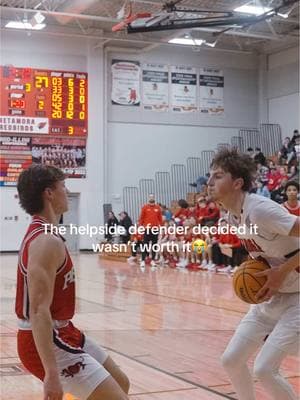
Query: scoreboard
x,y
47,102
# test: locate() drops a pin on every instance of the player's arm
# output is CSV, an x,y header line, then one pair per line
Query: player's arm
x,y
296,228
46,255
276,277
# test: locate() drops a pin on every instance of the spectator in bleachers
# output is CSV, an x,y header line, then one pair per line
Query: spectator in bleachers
x,y
296,134
183,213
166,212
285,151
297,147
200,209
259,157
278,195
293,173
250,152
273,179
262,189
111,221
126,222
292,204
212,214
200,182
262,173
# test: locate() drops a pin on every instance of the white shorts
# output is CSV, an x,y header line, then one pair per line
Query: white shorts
x,y
279,319
82,372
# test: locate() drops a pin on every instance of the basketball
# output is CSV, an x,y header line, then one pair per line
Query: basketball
x,y
245,283
199,246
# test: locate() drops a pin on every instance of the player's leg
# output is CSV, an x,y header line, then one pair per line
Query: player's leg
x,y
266,369
100,355
248,337
283,340
108,389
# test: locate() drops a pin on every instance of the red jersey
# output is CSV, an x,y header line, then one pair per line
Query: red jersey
x,y
151,215
63,302
293,210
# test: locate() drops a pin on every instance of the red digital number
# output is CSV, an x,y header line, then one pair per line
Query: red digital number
x,y
17,103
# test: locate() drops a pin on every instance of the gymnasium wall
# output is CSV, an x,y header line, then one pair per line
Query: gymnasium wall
x,y
283,89
136,143
66,54
142,142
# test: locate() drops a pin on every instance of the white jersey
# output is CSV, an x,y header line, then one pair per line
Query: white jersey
x,y
271,240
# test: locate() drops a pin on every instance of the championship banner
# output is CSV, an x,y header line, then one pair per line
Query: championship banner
x,y
155,87
15,157
183,89
125,89
211,91
67,154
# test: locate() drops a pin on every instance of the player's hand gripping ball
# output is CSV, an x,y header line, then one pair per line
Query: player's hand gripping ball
x,y
245,284
199,246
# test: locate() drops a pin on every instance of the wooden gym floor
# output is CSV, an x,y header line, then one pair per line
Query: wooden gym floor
x,y
166,328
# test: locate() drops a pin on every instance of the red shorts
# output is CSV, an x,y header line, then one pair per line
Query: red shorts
x,y
79,359
68,335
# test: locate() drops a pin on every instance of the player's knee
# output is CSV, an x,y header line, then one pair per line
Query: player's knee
x,y
229,360
262,370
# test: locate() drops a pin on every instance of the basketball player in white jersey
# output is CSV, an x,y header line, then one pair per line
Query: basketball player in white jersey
x,y
49,345
274,323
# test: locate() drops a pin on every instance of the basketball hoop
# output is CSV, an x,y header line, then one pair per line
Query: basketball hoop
x,y
129,17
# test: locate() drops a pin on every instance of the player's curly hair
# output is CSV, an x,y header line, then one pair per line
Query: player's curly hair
x,y
239,165
31,184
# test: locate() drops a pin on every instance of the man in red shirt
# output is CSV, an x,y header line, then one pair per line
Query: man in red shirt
x,y
151,217
49,345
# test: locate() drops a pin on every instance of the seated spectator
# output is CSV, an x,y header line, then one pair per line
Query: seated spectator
x,y
111,221
259,156
278,195
293,173
292,204
286,149
200,209
183,212
273,179
212,214
221,243
250,152
262,173
262,189
200,182
126,222
297,147
166,212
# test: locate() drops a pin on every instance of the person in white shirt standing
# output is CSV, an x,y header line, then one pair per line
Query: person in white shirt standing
x,y
274,323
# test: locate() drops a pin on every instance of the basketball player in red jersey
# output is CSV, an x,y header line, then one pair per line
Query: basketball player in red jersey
x,y
292,204
275,239
49,345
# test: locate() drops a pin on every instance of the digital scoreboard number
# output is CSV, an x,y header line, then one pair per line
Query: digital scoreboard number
x,y
43,101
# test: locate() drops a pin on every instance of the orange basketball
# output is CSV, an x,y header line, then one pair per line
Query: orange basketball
x,y
245,283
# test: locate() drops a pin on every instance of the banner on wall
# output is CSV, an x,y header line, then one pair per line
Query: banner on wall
x,y
183,89
67,154
155,78
125,83
211,82
15,157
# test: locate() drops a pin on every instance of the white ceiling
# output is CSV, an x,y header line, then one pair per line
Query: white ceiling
x,y
95,18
